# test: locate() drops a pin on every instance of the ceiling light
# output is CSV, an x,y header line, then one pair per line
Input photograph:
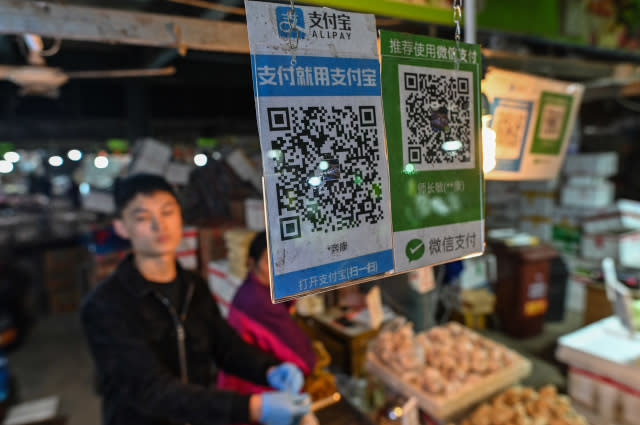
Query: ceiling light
x,y
5,166
56,161
200,159
74,155
12,157
101,161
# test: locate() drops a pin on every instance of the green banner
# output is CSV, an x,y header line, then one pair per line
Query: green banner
x,y
431,100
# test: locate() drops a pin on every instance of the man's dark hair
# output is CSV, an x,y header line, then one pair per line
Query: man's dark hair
x,y
124,190
257,247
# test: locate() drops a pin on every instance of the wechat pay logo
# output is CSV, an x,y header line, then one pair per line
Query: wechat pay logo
x,y
285,20
415,249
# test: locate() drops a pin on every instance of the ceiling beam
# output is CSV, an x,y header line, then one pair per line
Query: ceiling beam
x,y
119,26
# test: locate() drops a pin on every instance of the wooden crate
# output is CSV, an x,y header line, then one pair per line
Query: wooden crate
x,y
451,407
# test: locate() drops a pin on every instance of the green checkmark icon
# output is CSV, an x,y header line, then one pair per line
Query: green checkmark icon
x,y
414,249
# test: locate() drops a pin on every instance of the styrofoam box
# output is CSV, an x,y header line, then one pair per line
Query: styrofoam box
x,y
604,164
583,180
596,196
582,388
630,407
254,214
474,273
222,284
624,215
604,348
539,185
540,227
621,247
534,203
498,192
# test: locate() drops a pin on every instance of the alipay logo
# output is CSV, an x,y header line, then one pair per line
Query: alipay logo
x,y
285,20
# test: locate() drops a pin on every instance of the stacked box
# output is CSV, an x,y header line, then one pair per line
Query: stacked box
x,y
222,284
62,278
187,252
502,204
254,214
567,228
211,245
587,185
603,380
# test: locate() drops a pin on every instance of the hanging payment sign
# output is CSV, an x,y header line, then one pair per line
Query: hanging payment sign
x,y
432,113
316,81
533,118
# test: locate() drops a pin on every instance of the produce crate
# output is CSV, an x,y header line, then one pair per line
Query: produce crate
x,y
450,407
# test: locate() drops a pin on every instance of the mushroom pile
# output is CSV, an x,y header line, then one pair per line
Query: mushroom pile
x,y
525,406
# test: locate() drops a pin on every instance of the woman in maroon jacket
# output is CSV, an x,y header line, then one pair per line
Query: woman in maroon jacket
x,y
264,324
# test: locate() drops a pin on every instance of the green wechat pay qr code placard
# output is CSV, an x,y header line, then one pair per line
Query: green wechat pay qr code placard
x,y
551,126
432,118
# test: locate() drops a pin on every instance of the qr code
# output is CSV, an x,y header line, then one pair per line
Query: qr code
x,y
552,121
327,159
510,125
437,111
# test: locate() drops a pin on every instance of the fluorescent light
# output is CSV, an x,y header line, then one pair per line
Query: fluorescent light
x,y
12,157
74,155
56,161
5,166
200,159
101,161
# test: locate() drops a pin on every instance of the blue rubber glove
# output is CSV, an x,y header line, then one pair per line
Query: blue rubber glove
x,y
283,408
286,377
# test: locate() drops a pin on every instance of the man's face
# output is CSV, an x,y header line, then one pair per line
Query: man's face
x,y
153,224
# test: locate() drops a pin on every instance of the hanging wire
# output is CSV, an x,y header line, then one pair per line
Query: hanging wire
x,y
457,18
294,39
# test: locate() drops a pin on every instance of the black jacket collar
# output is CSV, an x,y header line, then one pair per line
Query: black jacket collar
x,y
128,275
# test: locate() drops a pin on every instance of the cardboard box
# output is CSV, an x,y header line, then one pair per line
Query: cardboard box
x,y
533,203
621,247
603,164
624,215
567,229
540,227
596,196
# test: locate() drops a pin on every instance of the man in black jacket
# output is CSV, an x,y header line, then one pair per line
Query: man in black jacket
x,y
154,331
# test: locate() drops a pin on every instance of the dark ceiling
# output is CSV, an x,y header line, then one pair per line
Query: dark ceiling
x,y
209,95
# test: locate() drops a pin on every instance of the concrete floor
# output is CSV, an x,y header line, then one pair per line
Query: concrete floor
x,y
54,360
